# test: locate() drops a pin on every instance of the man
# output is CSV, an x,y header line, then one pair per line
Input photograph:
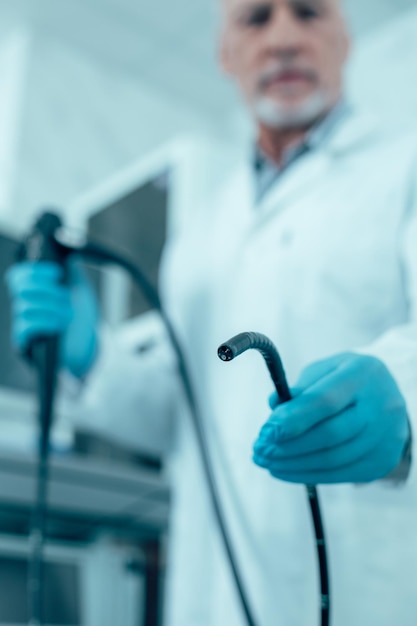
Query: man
x,y
316,250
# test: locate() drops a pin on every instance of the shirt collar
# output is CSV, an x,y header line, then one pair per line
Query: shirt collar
x,y
314,138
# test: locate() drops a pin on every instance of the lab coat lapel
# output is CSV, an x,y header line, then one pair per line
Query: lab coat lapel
x,y
293,183
311,169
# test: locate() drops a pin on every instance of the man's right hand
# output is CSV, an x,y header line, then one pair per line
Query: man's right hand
x,y
42,305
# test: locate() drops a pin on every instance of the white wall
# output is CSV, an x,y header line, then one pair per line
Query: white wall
x,y
69,119
14,55
72,116
82,123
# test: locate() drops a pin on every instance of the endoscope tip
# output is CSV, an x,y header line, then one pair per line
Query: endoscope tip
x,y
225,353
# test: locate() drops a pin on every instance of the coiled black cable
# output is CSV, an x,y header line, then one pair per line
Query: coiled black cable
x,y
256,341
98,253
101,254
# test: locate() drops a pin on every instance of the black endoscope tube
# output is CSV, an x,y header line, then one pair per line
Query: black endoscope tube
x,y
43,354
46,360
256,341
98,253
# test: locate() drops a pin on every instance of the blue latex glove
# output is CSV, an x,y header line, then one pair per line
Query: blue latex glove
x,y
41,305
347,423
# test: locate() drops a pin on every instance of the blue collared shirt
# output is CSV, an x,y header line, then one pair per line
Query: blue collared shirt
x,y
267,172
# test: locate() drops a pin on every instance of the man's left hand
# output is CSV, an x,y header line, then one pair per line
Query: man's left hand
x,y
347,423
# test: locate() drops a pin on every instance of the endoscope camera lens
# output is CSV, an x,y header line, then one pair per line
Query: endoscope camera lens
x,y
225,353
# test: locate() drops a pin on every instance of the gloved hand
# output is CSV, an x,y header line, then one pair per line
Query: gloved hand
x,y
41,305
347,423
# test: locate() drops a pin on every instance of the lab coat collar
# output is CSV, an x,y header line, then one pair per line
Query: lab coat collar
x,y
313,139
354,130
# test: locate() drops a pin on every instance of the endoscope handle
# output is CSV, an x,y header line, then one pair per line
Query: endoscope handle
x,y
43,352
41,245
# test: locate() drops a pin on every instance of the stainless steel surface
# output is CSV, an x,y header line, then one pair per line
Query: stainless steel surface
x,y
85,497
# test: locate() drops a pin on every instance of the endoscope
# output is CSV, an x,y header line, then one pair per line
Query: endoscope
x,y
49,242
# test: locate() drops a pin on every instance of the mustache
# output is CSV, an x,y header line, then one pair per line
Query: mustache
x,y
280,69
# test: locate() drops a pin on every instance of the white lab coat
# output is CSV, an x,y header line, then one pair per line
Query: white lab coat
x,y
327,263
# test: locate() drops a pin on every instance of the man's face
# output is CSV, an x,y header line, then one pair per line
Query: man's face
x,y
287,57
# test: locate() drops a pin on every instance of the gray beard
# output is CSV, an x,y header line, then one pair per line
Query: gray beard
x,y
275,116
